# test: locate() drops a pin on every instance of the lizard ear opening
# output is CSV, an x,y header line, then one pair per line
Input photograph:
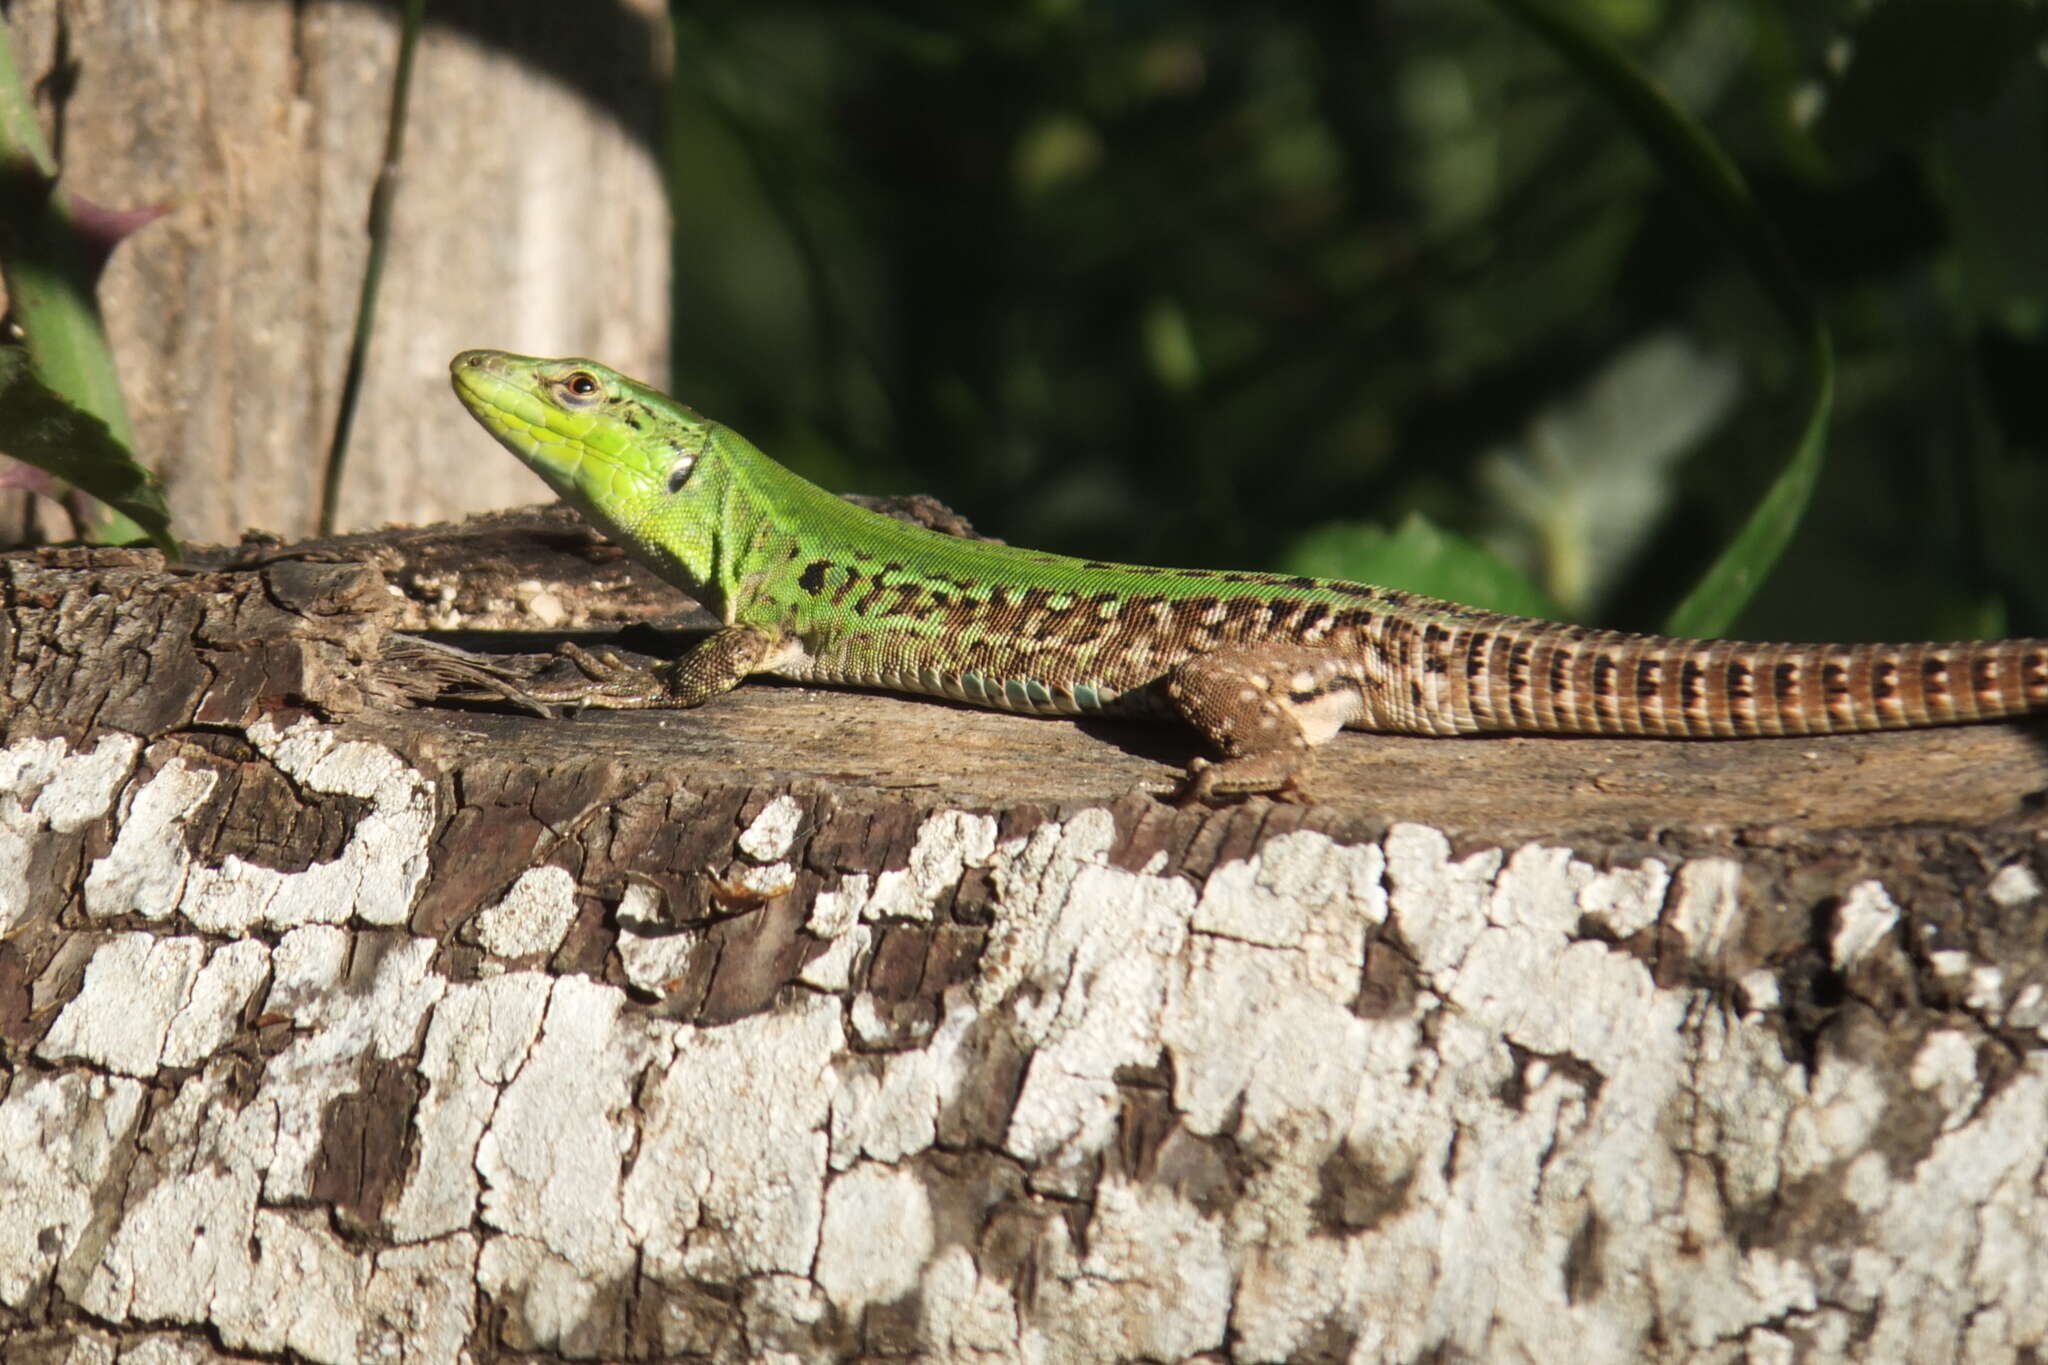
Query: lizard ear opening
x,y
679,473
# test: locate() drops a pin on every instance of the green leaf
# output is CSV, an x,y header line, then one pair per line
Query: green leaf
x,y
1693,161
41,429
50,262
1419,557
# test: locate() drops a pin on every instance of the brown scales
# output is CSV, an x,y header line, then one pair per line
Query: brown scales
x,y
1569,681
1430,668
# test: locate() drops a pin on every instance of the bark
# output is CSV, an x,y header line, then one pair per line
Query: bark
x,y
338,1022
529,216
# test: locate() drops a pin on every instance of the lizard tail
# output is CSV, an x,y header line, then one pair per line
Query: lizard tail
x,y
1605,682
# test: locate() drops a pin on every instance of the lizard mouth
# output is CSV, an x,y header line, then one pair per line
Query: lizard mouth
x,y
489,383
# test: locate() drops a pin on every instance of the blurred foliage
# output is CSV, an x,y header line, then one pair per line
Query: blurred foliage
x,y
1421,557
1201,283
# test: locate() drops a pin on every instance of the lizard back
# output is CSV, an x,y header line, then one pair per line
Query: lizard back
x,y
902,608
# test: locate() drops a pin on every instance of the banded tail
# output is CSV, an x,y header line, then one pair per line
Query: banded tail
x,y
1568,680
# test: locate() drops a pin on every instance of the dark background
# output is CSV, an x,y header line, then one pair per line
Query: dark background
x,y
1210,283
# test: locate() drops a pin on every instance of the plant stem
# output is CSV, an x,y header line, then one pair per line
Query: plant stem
x,y
381,197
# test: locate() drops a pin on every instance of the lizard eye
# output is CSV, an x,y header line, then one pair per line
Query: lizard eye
x,y
679,474
581,384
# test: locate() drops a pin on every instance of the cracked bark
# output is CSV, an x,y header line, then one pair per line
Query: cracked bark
x,y
338,1021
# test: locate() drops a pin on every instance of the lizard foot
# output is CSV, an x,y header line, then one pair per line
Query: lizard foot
x,y
608,682
1279,774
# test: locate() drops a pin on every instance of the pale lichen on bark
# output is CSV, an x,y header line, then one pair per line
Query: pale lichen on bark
x,y
323,1039
1541,1151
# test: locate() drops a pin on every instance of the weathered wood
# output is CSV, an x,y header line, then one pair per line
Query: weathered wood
x,y
531,152
339,1021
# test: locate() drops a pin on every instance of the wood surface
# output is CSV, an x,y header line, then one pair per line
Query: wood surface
x,y
340,1020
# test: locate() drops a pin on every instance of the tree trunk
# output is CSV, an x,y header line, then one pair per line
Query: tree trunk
x,y
529,216
338,1023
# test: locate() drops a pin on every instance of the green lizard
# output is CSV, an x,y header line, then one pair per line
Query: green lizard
x,y
1263,666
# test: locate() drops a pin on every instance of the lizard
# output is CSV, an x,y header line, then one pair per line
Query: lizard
x,y
1263,666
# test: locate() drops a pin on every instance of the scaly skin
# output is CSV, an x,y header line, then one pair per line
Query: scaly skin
x,y
1264,666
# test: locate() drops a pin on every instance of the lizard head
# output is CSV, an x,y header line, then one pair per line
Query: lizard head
x,y
631,459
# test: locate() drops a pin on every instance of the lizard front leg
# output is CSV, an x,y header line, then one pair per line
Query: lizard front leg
x,y
1263,707
713,667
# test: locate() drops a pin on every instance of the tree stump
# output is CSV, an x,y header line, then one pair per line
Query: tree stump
x,y
338,1022
532,151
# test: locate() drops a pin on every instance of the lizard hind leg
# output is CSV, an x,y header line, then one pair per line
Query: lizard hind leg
x,y
1263,708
